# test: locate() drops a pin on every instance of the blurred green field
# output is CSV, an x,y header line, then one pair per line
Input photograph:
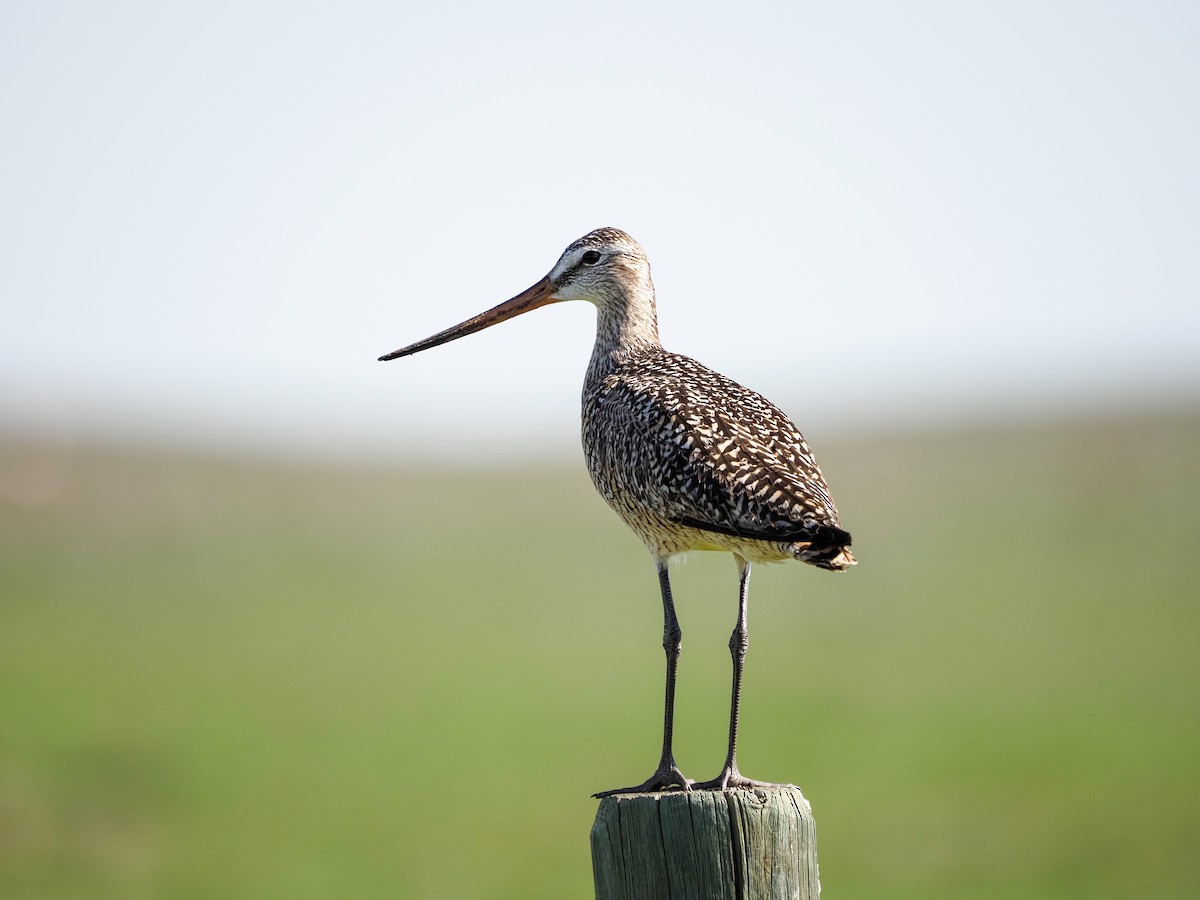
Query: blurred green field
x,y
233,679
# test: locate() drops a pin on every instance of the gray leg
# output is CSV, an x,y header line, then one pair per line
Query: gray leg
x,y
667,775
739,642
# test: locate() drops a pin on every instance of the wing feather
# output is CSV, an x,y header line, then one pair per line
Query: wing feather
x,y
704,451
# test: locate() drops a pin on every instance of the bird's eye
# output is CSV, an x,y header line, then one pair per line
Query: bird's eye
x,y
590,258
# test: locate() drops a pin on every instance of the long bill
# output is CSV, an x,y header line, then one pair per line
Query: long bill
x,y
531,298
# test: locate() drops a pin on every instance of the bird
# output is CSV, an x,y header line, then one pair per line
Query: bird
x,y
689,459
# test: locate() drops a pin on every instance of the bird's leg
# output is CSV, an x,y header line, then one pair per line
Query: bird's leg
x,y
739,641
667,775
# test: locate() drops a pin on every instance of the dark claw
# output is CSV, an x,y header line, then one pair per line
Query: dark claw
x,y
731,779
664,779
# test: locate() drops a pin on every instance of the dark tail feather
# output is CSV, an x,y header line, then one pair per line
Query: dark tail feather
x,y
828,547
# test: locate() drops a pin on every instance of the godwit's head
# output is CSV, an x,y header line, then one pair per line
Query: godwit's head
x,y
606,267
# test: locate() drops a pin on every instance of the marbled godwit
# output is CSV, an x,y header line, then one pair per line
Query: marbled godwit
x,y
689,459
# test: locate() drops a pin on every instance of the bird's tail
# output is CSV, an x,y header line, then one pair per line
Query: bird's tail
x,y
829,549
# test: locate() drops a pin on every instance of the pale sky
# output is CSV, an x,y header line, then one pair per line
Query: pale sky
x,y
214,217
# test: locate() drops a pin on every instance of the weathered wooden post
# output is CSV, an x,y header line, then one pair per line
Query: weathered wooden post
x,y
706,845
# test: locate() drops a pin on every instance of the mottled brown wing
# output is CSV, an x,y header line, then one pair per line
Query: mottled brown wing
x,y
709,453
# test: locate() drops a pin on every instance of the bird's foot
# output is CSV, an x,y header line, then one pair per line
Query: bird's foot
x,y
731,779
666,778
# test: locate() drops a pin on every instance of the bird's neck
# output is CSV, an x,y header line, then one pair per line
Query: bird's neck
x,y
626,325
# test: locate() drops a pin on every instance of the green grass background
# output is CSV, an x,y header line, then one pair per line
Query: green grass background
x,y
234,679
